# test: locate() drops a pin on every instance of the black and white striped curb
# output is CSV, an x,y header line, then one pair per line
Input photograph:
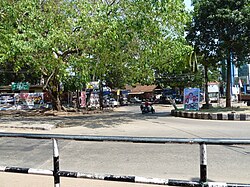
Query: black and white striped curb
x,y
132,179
211,116
118,178
26,170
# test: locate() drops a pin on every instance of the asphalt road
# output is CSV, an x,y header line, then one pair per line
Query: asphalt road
x,y
170,161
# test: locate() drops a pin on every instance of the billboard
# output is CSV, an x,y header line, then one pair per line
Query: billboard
x,y
30,98
191,98
83,99
14,101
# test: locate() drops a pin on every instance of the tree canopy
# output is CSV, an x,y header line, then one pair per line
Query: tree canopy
x,y
219,31
118,41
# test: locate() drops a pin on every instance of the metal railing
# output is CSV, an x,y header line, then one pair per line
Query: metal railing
x,y
56,173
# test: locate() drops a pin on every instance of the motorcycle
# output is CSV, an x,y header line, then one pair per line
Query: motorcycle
x,y
147,109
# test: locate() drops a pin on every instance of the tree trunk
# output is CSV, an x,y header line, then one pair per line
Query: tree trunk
x,y
52,86
77,99
206,86
54,92
228,87
58,105
101,95
56,102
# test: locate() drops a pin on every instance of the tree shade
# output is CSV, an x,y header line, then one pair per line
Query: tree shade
x,y
220,30
118,41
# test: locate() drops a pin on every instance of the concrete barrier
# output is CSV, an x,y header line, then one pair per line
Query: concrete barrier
x,y
211,116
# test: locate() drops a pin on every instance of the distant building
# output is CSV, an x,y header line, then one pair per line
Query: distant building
x,y
243,79
31,89
145,91
213,91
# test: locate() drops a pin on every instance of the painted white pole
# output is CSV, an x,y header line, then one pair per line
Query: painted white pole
x,y
203,162
56,163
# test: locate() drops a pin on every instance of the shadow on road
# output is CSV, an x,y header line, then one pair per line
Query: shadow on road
x,y
102,120
110,119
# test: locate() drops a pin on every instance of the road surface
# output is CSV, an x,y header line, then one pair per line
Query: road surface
x,y
168,161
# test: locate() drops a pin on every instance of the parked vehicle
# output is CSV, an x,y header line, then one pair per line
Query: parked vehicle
x,y
106,103
245,98
113,102
178,99
163,100
123,101
135,100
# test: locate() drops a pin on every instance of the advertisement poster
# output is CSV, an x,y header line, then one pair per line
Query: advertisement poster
x,y
191,98
7,99
22,101
83,99
30,98
94,100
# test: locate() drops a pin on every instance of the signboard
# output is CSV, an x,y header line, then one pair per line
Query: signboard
x,y
244,70
20,86
30,99
213,88
93,85
191,98
22,101
83,99
94,100
7,99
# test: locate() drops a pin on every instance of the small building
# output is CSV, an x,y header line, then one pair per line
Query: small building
x,y
145,91
31,89
14,97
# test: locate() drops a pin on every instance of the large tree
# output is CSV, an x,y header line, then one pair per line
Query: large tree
x,y
220,30
119,41
37,34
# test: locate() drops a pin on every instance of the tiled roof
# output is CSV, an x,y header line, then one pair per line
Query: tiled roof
x,y
145,88
213,83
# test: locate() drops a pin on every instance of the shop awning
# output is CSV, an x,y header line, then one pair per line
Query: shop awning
x,y
136,93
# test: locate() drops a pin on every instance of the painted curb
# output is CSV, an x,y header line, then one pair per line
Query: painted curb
x,y
211,116
119,178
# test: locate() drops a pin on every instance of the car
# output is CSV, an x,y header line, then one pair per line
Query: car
x,y
123,101
113,102
178,99
163,100
105,103
135,100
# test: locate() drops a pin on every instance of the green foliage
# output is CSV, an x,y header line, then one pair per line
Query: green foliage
x,y
118,41
220,26
220,30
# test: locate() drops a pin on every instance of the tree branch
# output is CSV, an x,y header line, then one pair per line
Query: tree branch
x,y
47,81
70,51
110,4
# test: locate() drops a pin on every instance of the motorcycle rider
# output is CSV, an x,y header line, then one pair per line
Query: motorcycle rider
x,y
147,105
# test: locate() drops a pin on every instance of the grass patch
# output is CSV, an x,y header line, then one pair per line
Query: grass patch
x,y
221,109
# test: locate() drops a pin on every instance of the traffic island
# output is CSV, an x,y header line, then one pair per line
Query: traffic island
x,y
211,116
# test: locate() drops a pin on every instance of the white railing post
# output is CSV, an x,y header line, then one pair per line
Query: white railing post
x,y
56,163
203,162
